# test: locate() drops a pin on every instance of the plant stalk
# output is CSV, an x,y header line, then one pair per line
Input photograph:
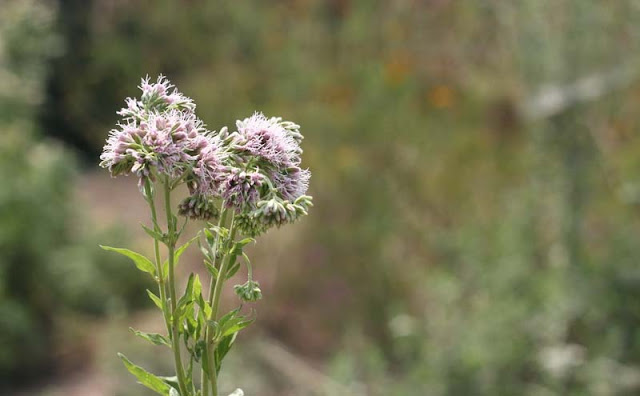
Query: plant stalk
x,y
156,248
171,245
215,303
214,257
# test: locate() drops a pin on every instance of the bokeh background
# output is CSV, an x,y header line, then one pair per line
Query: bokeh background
x,y
476,176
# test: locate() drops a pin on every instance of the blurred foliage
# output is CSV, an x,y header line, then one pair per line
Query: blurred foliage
x,y
50,266
463,248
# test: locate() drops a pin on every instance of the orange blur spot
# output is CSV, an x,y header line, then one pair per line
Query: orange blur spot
x,y
441,97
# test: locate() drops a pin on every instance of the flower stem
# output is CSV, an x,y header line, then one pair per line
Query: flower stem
x,y
215,303
171,245
156,247
213,252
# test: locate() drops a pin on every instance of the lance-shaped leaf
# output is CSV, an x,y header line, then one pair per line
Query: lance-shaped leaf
x,y
242,243
187,297
143,263
186,300
229,324
222,349
213,271
153,233
182,248
154,338
236,326
215,230
145,378
205,308
156,300
235,266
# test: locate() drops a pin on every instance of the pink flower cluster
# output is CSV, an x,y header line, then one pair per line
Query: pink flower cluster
x,y
274,146
161,135
254,170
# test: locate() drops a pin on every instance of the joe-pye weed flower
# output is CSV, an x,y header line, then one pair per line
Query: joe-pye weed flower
x,y
246,181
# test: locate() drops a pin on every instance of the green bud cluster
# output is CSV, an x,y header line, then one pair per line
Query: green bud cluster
x,y
198,207
249,291
273,212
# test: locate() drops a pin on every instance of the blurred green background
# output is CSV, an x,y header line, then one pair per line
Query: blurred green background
x,y
476,178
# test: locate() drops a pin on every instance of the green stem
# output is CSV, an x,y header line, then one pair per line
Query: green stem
x,y
214,380
156,248
214,252
204,382
249,270
171,245
214,258
215,303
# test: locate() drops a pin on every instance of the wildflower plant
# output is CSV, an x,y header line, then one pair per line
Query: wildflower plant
x,y
241,184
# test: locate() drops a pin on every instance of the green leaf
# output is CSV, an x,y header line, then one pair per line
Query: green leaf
x,y
238,246
233,270
245,242
223,348
198,349
236,326
197,288
205,359
187,297
209,235
222,231
205,308
181,249
186,301
191,321
184,224
215,327
232,323
204,251
171,381
229,324
212,270
153,234
182,310
228,317
143,263
154,338
146,378
155,299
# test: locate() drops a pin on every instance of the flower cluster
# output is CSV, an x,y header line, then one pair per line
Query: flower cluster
x,y
158,135
156,97
254,171
269,147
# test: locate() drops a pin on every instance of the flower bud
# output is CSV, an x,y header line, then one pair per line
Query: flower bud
x,y
198,207
248,292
